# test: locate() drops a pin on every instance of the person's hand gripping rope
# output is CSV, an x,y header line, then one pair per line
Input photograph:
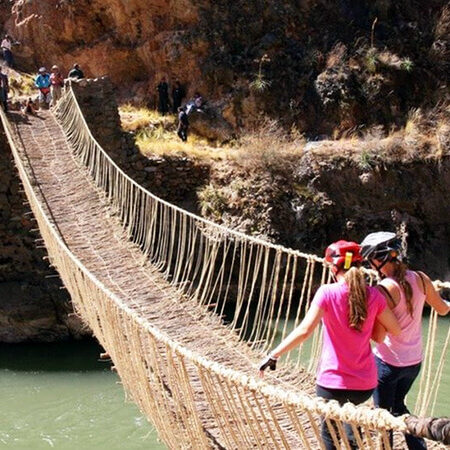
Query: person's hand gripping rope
x,y
269,361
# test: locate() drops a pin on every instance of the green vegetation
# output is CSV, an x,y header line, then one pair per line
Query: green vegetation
x,y
213,202
260,84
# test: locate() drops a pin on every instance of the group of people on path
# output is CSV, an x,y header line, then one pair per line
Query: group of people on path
x,y
353,314
164,103
178,94
50,84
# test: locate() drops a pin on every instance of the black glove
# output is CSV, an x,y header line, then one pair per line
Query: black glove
x,y
268,361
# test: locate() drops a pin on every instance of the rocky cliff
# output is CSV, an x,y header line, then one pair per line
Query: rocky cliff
x,y
315,199
325,66
33,307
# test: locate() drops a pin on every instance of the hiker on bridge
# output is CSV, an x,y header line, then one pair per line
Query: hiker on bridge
x,y
76,72
349,310
4,89
57,83
42,82
28,107
399,358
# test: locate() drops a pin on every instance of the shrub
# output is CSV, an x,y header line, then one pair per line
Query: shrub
x,y
269,147
212,201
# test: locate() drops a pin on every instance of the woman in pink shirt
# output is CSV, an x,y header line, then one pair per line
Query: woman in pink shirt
x,y
348,309
399,358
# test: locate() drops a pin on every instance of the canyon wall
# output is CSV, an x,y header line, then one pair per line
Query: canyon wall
x,y
318,198
324,66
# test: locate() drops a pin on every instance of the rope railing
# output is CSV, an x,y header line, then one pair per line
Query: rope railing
x,y
161,375
261,289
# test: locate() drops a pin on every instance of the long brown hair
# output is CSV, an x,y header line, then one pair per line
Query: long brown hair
x,y
399,276
357,297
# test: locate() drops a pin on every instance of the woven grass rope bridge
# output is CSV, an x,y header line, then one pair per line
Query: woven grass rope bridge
x,y
186,307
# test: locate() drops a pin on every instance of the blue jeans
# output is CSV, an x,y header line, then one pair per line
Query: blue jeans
x,y
393,385
342,396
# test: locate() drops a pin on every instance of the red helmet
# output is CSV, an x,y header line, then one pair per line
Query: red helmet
x,y
343,254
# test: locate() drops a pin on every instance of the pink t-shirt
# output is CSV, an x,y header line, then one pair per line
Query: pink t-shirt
x,y
405,349
347,361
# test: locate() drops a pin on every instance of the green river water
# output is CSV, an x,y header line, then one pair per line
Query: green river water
x,y
60,396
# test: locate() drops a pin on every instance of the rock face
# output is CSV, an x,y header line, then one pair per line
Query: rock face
x,y
324,65
32,305
352,201
317,200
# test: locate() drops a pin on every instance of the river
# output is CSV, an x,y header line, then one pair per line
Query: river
x,y
61,396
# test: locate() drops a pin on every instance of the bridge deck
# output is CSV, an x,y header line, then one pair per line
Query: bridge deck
x,y
95,236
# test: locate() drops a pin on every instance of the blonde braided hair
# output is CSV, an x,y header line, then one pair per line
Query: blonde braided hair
x,y
357,297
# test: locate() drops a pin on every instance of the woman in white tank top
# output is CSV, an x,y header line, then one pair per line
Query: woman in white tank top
x,y
399,357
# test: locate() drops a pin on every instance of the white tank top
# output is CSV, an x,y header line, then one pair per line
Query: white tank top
x,y
405,349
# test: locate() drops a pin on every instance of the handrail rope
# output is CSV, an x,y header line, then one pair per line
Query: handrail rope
x,y
438,283
237,234
310,258
80,135
372,418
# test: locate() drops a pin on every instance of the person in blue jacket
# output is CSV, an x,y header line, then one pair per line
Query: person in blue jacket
x,y
42,82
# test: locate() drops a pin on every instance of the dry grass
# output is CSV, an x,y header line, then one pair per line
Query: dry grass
x,y
373,150
134,118
269,147
156,135
336,56
21,84
162,142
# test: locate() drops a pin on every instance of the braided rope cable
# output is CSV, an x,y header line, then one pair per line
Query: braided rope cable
x,y
104,311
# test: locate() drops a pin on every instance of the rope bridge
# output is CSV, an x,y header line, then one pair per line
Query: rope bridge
x,y
190,374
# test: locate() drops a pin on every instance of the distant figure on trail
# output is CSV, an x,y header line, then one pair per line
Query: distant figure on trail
x,y
177,96
57,83
198,100
163,96
349,310
28,107
399,358
76,72
6,49
4,89
42,82
196,103
183,124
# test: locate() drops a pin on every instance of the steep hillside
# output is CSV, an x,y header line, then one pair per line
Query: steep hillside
x,y
325,66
